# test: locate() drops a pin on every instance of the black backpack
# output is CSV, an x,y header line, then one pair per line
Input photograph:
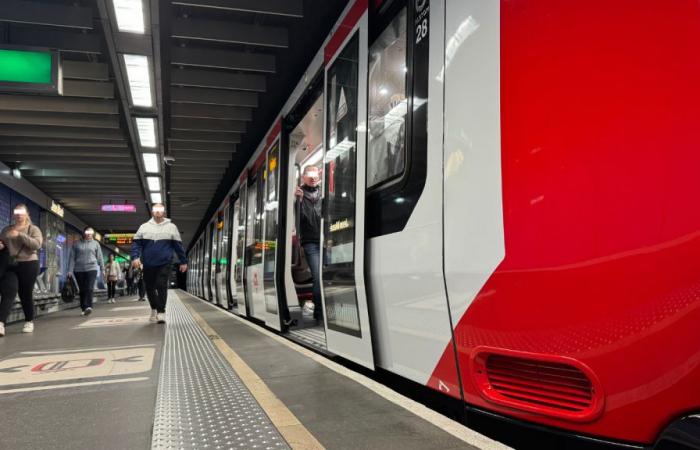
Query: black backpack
x,y
68,291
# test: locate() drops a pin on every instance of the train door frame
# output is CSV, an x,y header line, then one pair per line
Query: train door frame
x,y
295,116
254,296
221,256
242,298
271,293
206,266
336,277
212,261
230,268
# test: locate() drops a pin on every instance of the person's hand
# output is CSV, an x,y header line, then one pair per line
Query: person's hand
x,y
13,233
299,193
2,245
70,275
135,263
183,268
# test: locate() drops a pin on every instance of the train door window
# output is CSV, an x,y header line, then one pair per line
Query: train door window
x,y
271,221
339,191
388,105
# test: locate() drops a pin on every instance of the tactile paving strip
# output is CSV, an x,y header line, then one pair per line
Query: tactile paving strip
x,y
201,401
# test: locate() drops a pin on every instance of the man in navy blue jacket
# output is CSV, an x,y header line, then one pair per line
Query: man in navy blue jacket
x,y
153,245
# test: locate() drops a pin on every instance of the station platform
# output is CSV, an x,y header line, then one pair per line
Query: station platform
x,y
205,379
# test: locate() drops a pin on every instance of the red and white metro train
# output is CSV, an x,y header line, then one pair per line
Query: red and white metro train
x,y
510,210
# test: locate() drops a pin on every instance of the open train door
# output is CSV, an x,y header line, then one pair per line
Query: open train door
x,y
343,236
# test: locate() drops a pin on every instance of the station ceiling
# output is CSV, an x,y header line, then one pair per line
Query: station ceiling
x,y
222,70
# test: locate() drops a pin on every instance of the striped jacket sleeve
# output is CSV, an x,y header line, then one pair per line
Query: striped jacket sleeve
x,y
137,244
178,247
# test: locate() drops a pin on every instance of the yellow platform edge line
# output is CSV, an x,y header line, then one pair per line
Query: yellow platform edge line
x,y
293,431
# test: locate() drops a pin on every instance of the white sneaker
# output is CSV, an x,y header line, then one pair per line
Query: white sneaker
x,y
28,327
154,315
87,311
2,329
160,317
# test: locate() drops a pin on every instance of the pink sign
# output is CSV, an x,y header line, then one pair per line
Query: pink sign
x,y
119,208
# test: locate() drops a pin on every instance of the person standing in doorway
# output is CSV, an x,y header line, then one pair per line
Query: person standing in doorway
x,y
309,196
22,240
84,264
153,246
112,274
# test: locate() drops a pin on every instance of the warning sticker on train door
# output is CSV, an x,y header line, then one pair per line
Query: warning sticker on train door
x,y
113,321
78,365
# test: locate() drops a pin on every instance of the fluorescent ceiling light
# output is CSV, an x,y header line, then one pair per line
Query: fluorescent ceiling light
x,y
146,127
151,163
153,183
129,14
156,197
138,73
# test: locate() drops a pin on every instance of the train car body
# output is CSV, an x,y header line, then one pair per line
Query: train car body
x,y
509,217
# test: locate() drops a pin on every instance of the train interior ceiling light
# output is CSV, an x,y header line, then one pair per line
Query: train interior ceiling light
x,y
129,14
146,127
150,163
138,74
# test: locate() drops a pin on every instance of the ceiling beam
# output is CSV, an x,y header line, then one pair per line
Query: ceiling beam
x,y
225,126
109,134
205,136
83,164
78,173
217,80
30,141
65,151
46,14
230,32
208,111
59,119
190,157
202,146
57,104
79,70
68,180
65,41
222,59
93,89
67,156
289,8
213,96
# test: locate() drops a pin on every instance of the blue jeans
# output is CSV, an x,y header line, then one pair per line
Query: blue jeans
x,y
312,250
86,284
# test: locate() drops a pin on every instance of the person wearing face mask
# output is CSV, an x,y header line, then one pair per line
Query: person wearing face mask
x,y
22,240
83,264
153,246
309,196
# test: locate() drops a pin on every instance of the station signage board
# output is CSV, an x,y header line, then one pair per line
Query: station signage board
x,y
119,238
31,70
124,208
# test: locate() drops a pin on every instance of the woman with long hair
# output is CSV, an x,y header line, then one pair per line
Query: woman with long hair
x,y
84,261
112,273
22,241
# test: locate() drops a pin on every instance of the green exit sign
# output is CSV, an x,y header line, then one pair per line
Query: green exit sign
x,y
24,70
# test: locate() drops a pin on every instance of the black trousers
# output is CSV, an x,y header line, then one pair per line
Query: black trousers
x,y
86,284
141,288
156,279
20,280
111,288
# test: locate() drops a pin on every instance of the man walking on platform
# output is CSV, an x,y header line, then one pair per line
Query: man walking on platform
x,y
152,247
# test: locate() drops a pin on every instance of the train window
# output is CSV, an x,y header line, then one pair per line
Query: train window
x,y
388,105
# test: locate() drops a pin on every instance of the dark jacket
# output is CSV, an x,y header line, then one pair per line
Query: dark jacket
x,y
310,215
